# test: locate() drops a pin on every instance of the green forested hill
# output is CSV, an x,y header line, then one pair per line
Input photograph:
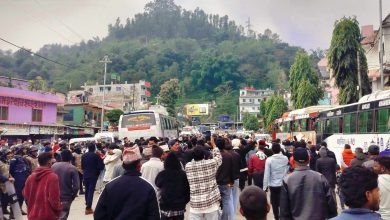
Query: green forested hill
x,y
209,54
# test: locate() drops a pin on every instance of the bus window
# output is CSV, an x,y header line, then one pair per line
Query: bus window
x,y
365,122
328,126
383,120
335,125
347,124
370,122
304,125
353,123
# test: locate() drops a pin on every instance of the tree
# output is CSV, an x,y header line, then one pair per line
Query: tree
x,y
302,73
37,84
272,109
250,122
169,93
342,55
113,116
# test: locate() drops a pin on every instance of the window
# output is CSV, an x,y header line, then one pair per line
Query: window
x,y
3,112
69,116
259,100
118,89
37,115
365,122
304,124
349,123
383,120
101,89
243,100
253,108
332,126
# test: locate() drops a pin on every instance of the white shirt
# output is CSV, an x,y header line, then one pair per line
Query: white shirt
x,y
150,169
384,192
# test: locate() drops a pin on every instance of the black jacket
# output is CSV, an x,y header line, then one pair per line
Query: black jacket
x,y
91,164
225,171
128,197
237,166
305,194
327,166
174,189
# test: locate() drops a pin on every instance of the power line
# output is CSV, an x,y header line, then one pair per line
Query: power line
x,y
35,54
59,21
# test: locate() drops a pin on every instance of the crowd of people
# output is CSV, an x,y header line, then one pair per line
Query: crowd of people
x,y
202,177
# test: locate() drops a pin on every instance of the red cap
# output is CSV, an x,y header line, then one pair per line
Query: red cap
x,y
262,142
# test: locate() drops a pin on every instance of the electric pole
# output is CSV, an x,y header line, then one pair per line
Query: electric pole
x,y
105,61
381,45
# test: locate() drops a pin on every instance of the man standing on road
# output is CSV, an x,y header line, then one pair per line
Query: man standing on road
x,y
327,166
154,166
92,164
225,180
204,193
359,187
128,196
69,182
306,193
276,168
42,191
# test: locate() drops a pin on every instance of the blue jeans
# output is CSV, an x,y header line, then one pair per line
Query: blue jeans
x,y
90,185
235,193
203,216
227,202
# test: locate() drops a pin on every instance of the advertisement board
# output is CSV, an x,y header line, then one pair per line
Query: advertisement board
x,y
197,109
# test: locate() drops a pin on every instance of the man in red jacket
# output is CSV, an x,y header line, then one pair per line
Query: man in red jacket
x,y
42,191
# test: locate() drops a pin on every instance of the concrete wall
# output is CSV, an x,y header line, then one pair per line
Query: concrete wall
x,y
22,114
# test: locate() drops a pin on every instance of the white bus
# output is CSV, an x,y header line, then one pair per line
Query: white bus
x,y
147,123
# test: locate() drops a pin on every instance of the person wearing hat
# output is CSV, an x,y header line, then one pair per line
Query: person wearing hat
x,y
32,157
112,159
174,146
360,157
151,168
20,169
373,152
327,166
128,196
305,193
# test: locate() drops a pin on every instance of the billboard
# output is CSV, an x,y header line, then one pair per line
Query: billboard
x,y
197,109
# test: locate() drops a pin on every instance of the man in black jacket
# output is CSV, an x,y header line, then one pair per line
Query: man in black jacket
x,y
128,196
305,193
327,166
92,165
225,180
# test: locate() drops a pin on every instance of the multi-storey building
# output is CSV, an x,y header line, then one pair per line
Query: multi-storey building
x,y
250,99
119,96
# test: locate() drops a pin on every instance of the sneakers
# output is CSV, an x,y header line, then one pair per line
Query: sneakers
x,y
88,211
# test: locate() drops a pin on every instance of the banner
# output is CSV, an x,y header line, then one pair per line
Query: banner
x,y
197,109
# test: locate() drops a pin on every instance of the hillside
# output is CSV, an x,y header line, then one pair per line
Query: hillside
x,y
209,54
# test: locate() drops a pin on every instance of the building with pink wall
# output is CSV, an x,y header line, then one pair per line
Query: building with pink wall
x,y
24,112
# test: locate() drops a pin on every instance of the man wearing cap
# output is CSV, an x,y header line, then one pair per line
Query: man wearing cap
x,y
305,193
128,196
373,152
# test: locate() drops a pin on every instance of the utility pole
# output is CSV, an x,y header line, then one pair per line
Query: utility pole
x,y
105,61
359,87
381,45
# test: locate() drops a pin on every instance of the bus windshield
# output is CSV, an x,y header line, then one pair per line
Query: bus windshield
x,y
135,120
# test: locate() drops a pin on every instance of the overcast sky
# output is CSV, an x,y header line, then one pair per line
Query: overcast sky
x,y
305,23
